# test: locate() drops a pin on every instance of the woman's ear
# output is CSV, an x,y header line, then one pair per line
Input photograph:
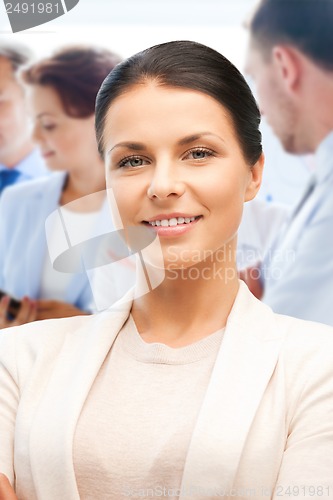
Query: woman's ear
x,y
255,178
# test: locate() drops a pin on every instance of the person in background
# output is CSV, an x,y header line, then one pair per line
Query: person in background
x,y
194,388
260,222
62,91
290,59
19,158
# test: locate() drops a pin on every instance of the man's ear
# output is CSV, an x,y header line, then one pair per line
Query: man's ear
x,y
287,63
255,179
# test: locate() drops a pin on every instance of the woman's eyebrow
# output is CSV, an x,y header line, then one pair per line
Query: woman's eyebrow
x,y
135,146
44,113
139,146
195,137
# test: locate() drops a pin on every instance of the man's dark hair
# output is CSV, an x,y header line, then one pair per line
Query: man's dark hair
x,y
304,24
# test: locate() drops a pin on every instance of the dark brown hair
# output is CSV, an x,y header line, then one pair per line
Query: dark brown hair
x,y
76,74
304,24
189,65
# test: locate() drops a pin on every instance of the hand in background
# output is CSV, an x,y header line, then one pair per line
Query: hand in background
x,y
6,491
26,313
47,309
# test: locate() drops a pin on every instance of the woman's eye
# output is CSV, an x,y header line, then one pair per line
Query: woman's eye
x,y
199,154
132,162
48,127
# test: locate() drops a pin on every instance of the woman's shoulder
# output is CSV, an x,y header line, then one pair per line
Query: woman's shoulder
x,y
40,334
300,341
307,333
307,349
36,348
38,343
49,336
269,324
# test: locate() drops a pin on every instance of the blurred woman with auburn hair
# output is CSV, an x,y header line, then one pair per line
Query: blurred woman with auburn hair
x,y
63,90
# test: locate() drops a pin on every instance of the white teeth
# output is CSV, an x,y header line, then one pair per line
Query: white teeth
x,y
172,222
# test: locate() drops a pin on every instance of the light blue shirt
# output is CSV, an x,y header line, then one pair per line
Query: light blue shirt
x,y
30,167
297,270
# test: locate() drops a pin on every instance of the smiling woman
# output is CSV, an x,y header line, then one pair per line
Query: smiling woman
x,y
205,148
187,177
193,387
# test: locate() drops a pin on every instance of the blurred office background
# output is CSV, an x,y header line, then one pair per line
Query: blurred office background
x,y
127,26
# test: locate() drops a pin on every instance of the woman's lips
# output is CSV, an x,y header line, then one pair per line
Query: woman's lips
x,y
173,226
47,154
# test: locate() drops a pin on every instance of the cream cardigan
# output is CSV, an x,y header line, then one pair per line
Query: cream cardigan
x,y
266,422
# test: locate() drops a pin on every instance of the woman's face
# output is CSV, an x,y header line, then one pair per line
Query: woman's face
x,y
66,143
175,165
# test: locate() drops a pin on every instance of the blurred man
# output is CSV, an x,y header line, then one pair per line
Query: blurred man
x,y
290,59
19,160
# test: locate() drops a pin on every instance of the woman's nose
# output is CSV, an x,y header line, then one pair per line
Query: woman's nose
x,y
166,182
35,133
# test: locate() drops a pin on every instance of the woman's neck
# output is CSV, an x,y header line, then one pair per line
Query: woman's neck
x,y
188,305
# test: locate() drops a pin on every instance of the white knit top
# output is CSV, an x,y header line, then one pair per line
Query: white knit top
x,y
135,427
